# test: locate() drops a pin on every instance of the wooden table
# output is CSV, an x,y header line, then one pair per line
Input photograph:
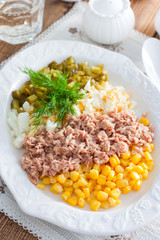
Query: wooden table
x,y
144,10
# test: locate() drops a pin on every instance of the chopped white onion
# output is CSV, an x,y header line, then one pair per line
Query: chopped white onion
x,y
23,122
26,106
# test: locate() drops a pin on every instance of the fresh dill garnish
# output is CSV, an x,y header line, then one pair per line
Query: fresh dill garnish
x,y
59,100
39,79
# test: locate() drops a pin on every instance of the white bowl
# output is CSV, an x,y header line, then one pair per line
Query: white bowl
x,y
108,21
136,208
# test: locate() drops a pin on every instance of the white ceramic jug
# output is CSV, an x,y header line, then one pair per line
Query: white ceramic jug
x,y
108,21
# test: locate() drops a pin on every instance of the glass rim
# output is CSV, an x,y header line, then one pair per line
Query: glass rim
x,y
40,2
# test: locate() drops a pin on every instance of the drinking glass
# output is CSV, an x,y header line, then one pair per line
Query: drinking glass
x,y
20,20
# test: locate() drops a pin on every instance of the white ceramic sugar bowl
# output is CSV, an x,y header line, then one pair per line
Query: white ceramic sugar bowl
x,y
108,21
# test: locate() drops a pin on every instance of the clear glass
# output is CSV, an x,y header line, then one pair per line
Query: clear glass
x,y
20,21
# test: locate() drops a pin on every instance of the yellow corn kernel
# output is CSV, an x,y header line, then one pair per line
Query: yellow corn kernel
x,y
134,175
126,189
40,186
117,159
124,163
102,166
118,201
130,168
120,176
126,155
90,186
74,175
46,180
86,192
83,175
113,162
97,167
97,187
75,185
89,199
110,184
101,196
65,196
95,205
128,178
112,202
105,205
95,194
68,183
68,189
94,182
148,148
143,165
125,174
94,174
114,179
56,188
87,176
81,202
107,190
131,182
79,193
40,177
119,169
138,169
136,158
53,179
111,175
61,178
101,180
145,174
72,201
115,193
82,182
67,174
150,165
137,185
131,164
152,146
122,183
148,156
106,170
144,121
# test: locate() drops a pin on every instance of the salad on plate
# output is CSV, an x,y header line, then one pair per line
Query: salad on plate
x,y
80,135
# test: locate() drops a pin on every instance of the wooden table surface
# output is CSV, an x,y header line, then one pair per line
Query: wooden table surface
x,y
144,10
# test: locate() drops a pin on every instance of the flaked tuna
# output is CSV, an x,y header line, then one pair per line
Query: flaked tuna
x,y
90,138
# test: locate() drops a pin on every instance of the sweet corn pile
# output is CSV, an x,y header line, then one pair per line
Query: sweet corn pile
x,y
101,185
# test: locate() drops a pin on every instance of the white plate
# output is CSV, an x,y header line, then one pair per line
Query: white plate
x,y
136,208
150,56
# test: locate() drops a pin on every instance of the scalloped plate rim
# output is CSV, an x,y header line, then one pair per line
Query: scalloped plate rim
x,y
37,213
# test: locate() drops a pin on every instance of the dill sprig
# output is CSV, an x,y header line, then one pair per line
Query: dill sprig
x,y
60,99
39,79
